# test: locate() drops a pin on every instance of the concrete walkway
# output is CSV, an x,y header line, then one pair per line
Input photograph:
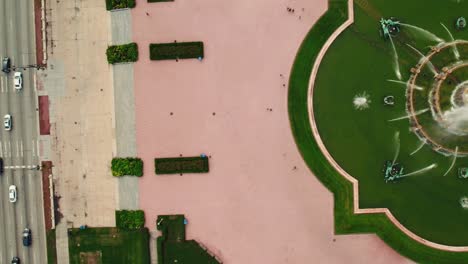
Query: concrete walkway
x,y
77,81
124,101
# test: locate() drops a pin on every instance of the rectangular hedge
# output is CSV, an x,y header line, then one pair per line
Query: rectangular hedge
x,y
130,219
176,50
181,165
119,4
122,53
127,167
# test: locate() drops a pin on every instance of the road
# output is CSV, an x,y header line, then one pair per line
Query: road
x,y
19,147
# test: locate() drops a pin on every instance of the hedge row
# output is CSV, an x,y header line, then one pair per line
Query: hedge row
x,y
181,165
122,53
130,219
119,4
176,50
127,167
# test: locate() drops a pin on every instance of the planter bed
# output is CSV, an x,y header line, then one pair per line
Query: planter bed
x,y
176,50
181,165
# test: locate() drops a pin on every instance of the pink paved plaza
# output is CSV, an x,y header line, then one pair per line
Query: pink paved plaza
x,y
259,203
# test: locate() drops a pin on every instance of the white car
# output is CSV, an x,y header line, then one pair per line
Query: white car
x,y
12,193
18,81
7,122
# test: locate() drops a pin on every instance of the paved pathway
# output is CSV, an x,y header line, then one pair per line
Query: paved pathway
x,y
78,83
124,101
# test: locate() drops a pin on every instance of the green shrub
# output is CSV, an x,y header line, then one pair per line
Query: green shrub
x,y
130,219
119,4
127,167
122,53
176,50
181,165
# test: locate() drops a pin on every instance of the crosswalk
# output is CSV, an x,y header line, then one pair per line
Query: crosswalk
x,y
17,149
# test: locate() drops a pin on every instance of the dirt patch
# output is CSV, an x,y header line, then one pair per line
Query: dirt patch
x,y
91,257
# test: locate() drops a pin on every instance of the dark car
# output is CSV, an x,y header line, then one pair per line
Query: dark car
x,y
6,65
15,260
26,237
1,166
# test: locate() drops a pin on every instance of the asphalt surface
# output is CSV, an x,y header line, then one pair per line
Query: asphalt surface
x,y
19,147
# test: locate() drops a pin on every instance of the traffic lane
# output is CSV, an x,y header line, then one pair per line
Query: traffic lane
x,y
30,134
13,46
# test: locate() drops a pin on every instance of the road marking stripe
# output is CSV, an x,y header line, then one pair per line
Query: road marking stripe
x,y
37,147
33,149
1,149
21,148
17,149
9,149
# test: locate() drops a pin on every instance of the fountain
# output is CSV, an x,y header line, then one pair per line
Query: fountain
x,y
460,23
361,101
407,84
389,100
464,202
389,27
424,58
397,144
418,148
410,115
430,167
392,171
396,65
425,33
453,161
454,47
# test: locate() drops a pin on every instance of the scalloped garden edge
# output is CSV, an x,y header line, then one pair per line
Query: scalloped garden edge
x,y
349,218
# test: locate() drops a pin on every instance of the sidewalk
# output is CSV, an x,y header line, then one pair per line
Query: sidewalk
x,y
81,115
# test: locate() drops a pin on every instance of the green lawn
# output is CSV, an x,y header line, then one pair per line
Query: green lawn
x,y
172,246
114,246
51,247
345,221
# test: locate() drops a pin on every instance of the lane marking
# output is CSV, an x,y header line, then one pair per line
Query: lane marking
x,y
1,149
37,147
33,149
20,167
9,149
17,149
21,149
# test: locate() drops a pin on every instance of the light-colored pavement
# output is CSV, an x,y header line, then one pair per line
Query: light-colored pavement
x,y
124,98
18,147
78,83
259,196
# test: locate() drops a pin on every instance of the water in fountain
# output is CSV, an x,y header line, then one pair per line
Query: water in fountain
x,y
430,167
453,161
406,84
410,115
396,65
397,146
361,101
454,46
423,57
429,35
418,148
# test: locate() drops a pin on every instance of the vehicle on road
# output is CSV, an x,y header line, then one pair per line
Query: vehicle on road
x,y
15,260
27,237
12,193
6,65
18,80
1,166
7,122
